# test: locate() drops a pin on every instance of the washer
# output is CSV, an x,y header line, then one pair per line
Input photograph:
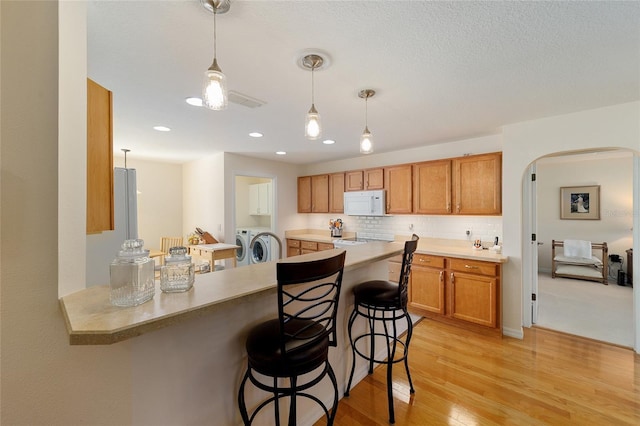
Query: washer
x,y
261,251
243,238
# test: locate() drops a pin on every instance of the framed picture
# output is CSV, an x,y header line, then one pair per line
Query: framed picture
x,y
580,202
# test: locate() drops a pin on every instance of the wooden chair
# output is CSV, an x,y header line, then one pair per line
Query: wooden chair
x,y
166,243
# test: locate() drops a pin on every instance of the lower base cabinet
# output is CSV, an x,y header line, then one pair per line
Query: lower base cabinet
x,y
297,247
459,291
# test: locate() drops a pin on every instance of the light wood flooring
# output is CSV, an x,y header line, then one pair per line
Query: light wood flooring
x,y
463,378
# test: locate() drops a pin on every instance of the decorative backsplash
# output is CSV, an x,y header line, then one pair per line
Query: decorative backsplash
x,y
485,228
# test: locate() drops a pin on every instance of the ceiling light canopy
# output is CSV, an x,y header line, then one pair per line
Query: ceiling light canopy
x,y
214,90
312,125
366,140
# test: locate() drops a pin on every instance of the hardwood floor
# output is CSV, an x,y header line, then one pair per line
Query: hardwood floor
x,y
463,378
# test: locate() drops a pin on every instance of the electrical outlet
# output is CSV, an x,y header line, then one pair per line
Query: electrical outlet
x,y
468,232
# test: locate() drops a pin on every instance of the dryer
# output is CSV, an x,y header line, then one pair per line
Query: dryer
x,y
261,251
243,238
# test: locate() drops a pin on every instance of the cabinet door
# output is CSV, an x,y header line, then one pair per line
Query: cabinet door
x,y
473,298
427,289
432,187
304,194
399,192
99,159
353,181
336,193
373,179
477,184
259,201
320,194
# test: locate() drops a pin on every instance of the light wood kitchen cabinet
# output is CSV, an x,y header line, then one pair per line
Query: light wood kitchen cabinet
x,y
100,215
398,184
477,182
296,247
474,291
293,247
313,194
304,194
458,291
373,179
336,193
432,190
353,181
427,289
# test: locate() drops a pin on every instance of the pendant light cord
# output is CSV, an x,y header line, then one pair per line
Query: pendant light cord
x,y
313,68
366,112
214,33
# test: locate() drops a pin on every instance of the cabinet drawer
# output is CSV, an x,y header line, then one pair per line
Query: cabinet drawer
x,y
293,243
325,246
309,245
428,261
474,267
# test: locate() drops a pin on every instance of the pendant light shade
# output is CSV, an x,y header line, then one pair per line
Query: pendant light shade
x,y
366,140
312,123
214,88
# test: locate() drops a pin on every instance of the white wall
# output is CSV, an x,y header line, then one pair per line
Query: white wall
x,y
203,196
614,174
45,381
609,127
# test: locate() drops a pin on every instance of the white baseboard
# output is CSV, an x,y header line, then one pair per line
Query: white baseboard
x,y
517,333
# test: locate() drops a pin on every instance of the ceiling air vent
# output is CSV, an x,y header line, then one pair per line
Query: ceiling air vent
x,y
249,102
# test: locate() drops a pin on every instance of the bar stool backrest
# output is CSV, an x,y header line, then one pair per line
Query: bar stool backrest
x,y
410,247
308,295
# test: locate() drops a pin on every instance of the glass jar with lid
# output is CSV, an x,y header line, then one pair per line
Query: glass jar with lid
x,y
132,275
178,272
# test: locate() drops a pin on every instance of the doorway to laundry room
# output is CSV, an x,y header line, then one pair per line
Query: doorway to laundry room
x,y
254,213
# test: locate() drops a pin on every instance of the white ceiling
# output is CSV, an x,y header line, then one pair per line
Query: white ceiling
x,y
442,71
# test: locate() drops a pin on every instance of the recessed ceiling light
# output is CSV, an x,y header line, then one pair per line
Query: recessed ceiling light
x,y
161,128
194,101
281,152
255,134
328,141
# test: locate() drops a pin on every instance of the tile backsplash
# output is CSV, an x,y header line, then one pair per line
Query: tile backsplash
x,y
485,228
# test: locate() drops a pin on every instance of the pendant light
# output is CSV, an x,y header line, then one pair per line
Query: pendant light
x,y
214,89
312,126
366,140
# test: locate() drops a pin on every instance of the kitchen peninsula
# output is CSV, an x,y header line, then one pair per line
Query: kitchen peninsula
x,y
201,335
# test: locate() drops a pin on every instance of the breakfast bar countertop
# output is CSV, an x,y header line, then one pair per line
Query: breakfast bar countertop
x,y
92,320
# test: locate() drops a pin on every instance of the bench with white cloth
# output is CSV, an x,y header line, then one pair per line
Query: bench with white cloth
x,y
578,260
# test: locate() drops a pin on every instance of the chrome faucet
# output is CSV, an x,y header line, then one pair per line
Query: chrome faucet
x,y
255,237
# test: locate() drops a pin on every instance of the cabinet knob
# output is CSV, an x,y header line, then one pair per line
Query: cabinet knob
x,y
425,260
452,278
441,276
470,267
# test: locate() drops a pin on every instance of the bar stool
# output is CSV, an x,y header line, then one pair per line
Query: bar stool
x,y
297,342
384,302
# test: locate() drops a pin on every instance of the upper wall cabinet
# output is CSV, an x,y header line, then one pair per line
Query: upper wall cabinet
x,y
398,185
373,179
477,182
336,193
99,159
432,187
313,194
353,180
470,185
260,199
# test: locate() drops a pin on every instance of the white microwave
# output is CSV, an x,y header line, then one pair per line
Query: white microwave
x,y
364,203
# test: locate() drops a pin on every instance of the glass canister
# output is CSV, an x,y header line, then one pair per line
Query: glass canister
x,y
132,275
178,272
